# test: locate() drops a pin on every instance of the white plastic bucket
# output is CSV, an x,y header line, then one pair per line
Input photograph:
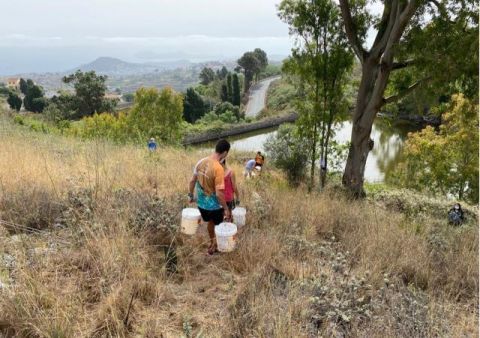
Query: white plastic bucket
x,y
239,216
190,220
225,233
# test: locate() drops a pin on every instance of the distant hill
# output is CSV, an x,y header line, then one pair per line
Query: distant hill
x,y
129,76
112,66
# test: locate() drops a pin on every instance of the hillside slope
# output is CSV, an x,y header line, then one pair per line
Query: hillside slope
x,y
87,229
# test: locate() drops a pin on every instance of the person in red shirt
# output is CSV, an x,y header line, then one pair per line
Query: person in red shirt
x,y
231,190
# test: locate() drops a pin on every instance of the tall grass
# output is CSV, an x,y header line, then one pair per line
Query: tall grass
x,y
85,227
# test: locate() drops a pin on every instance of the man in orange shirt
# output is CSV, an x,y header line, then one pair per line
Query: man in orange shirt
x,y
209,184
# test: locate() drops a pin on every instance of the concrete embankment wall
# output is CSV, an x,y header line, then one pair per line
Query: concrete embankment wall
x,y
241,129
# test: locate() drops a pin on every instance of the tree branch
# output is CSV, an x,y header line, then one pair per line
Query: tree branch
x,y
440,7
351,30
403,64
382,26
407,91
389,18
404,15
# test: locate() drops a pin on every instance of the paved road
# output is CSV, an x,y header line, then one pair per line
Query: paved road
x,y
258,95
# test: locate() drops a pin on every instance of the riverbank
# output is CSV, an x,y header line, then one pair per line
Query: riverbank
x,y
238,129
418,120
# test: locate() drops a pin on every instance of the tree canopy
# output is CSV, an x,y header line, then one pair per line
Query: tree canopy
x,y
445,161
193,106
252,64
207,75
319,67
90,90
14,101
34,100
157,114
403,31
235,90
23,86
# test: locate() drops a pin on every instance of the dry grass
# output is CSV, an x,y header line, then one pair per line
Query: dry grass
x,y
85,227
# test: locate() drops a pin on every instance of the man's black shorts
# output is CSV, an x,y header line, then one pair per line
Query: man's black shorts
x,y
216,216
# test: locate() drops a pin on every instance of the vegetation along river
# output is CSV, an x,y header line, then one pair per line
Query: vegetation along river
x,y
388,138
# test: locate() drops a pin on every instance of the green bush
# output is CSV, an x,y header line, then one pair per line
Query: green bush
x,y
224,112
19,120
128,97
271,70
63,125
280,97
14,101
38,126
155,114
224,107
287,152
4,91
106,126
54,113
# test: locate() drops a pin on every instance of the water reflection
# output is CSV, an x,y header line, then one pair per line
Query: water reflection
x,y
388,148
388,142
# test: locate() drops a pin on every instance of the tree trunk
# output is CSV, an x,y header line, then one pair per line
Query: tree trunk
x,y
357,158
323,176
376,67
313,159
369,102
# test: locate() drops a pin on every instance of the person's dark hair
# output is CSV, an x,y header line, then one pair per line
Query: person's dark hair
x,y
222,146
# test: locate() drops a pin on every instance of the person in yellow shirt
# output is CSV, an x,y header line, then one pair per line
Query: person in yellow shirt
x,y
259,159
259,162
208,181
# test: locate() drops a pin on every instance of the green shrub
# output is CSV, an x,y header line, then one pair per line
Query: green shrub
x,y
224,107
106,126
19,120
271,70
38,126
286,149
56,113
280,95
155,114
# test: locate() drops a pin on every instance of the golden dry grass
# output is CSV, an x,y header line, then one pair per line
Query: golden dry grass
x,y
87,225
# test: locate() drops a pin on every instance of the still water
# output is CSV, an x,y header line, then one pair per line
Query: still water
x,y
381,161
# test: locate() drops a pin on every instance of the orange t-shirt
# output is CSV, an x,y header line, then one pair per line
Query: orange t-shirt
x,y
210,175
259,159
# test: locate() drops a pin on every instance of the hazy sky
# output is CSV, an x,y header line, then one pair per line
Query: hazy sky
x,y
58,34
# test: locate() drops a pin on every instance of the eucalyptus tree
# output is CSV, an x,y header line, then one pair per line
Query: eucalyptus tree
x,y
426,35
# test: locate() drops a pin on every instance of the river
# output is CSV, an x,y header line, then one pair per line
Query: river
x,y
381,161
